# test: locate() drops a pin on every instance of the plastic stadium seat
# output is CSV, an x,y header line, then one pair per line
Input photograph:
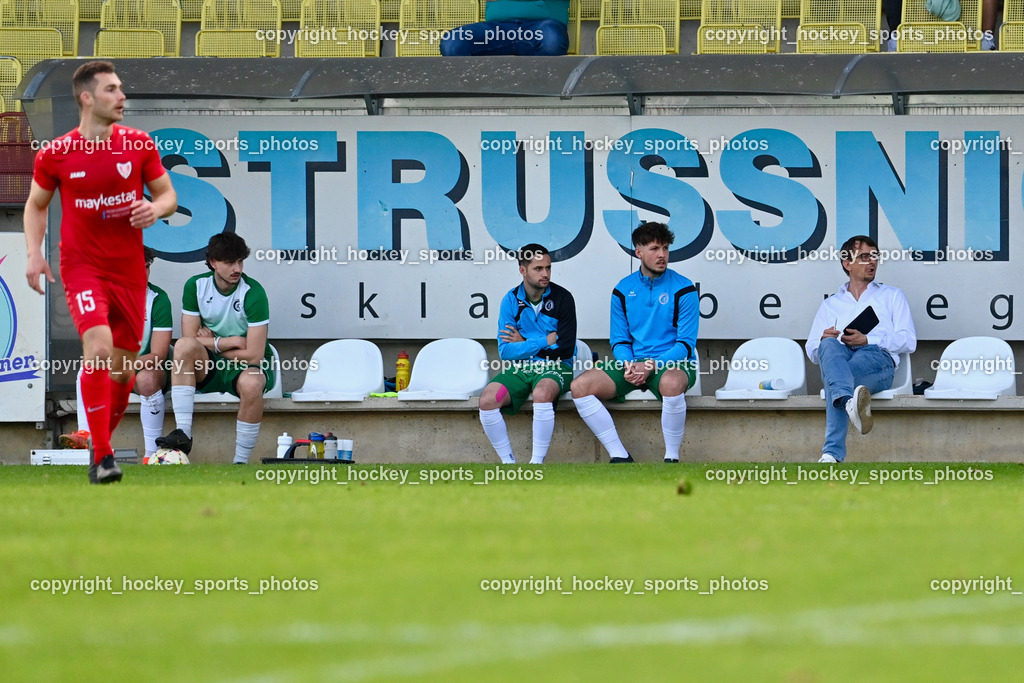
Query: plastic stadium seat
x,y
590,10
10,77
574,27
631,40
241,15
191,10
856,24
60,15
932,36
16,159
939,36
902,382
341,16
784,360
274,392
447,370
975,368
390,10
427,20
89,10
238,43
156,15
344,370
647,395
31,45
1011,33
739,26
639,16
291,10
129,42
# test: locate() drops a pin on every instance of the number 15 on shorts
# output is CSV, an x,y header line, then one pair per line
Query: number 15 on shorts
x,y
85,301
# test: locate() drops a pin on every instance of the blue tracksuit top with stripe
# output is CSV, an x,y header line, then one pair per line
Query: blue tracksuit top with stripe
x,y
557,314
655,318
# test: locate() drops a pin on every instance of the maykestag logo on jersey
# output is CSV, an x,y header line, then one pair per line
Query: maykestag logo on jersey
x,y
12,368
104,201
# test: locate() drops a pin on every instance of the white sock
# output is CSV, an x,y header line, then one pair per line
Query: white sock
x,y
497,433
543,428
246,434
183,401
152,416
600,422
673,423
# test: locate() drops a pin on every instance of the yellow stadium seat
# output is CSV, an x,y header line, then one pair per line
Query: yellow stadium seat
x,y
839,26
129,42
31,45
390,10
739,27
932,36
575,8
640,16
155,15
942,36
1011,33
631,40
260,16
229,43
191,10
426,21
10,77
339,28
89,10
61,15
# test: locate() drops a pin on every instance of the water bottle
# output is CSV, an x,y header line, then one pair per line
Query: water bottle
x,y
772,384
402,372
284,442
316,446
330,446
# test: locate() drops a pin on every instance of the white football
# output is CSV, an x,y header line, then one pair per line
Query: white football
x,y
166,456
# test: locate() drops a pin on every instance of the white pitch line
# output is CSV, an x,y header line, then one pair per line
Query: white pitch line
x,y
471,644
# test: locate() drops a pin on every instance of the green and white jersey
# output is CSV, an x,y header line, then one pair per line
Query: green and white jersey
x,y
158,316
231,314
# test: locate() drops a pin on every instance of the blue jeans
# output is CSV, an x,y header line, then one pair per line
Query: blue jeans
x,y
543,37
843,369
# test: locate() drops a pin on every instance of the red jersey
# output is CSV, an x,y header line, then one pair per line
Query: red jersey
x,y
98,181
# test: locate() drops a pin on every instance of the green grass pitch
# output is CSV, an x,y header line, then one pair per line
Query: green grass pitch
x,y
609,574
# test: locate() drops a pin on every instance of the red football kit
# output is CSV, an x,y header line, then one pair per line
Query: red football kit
x,y
101,258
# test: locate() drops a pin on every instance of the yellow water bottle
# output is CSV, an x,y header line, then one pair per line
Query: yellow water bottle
x,y
402,372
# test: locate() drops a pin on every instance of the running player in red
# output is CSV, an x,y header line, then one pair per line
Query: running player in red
x,y
100,168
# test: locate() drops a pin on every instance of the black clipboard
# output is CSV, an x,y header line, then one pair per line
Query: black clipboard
x,y
864,322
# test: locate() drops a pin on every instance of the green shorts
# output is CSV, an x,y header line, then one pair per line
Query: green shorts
x,y
616,370
520,381
223,374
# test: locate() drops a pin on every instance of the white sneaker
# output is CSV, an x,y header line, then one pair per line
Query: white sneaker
x,y
988,43
859,410
891,45
825,457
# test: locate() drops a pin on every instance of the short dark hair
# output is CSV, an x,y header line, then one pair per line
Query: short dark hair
x,y
226,246
652,232
149,254
85,77
531,252
850,246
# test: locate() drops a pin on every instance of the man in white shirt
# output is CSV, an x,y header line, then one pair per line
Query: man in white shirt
x,y
853,364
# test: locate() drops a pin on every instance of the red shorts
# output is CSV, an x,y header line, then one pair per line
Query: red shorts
x,y
94,301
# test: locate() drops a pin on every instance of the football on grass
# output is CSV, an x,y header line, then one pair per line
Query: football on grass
x,y
166,456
